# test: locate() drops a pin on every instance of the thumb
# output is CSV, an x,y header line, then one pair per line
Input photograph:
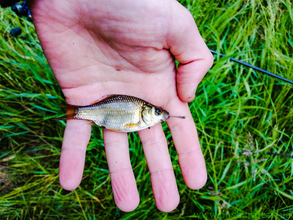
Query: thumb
x,y
189,49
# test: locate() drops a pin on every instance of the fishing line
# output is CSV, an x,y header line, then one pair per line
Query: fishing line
x,y
253,67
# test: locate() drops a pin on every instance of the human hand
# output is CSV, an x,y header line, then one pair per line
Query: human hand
x,y
101,47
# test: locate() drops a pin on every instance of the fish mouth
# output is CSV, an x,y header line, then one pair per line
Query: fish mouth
x,y
166,117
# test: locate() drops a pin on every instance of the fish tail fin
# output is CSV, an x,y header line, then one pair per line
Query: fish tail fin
x,y
70,112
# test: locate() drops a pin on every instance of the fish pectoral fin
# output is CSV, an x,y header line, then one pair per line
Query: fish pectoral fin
x,y
132,125
111,129
104,127
90,122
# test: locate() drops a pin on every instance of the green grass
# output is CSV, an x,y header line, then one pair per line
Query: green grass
x,y
240,114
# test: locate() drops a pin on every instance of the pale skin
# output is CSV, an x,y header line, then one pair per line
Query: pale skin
x,y
101,47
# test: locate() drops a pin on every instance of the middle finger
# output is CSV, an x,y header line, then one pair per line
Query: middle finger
x,y
160,167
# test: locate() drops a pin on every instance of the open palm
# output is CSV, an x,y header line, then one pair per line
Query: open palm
x,y
101,47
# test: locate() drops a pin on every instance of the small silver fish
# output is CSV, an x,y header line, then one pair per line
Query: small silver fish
x,y
120,113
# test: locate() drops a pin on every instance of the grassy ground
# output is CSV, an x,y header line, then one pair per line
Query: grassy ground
x,y
240,114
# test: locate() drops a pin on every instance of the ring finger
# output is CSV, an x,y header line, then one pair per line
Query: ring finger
x,y
122,177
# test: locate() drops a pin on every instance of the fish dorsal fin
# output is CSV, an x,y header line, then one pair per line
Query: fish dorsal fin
x,y
102,98
109,96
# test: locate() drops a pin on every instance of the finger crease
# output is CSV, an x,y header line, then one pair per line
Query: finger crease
x,y
161,171
116,144
189,152
121,170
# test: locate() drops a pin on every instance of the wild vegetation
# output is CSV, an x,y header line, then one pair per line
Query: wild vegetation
x,y
240,114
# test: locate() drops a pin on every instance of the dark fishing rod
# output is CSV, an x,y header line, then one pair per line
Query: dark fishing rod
x,y
253,67
263,71
277,154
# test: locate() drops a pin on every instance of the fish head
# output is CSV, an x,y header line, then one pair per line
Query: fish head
x,y
152,115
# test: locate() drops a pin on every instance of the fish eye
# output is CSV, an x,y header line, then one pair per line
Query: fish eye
x,y
157,112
